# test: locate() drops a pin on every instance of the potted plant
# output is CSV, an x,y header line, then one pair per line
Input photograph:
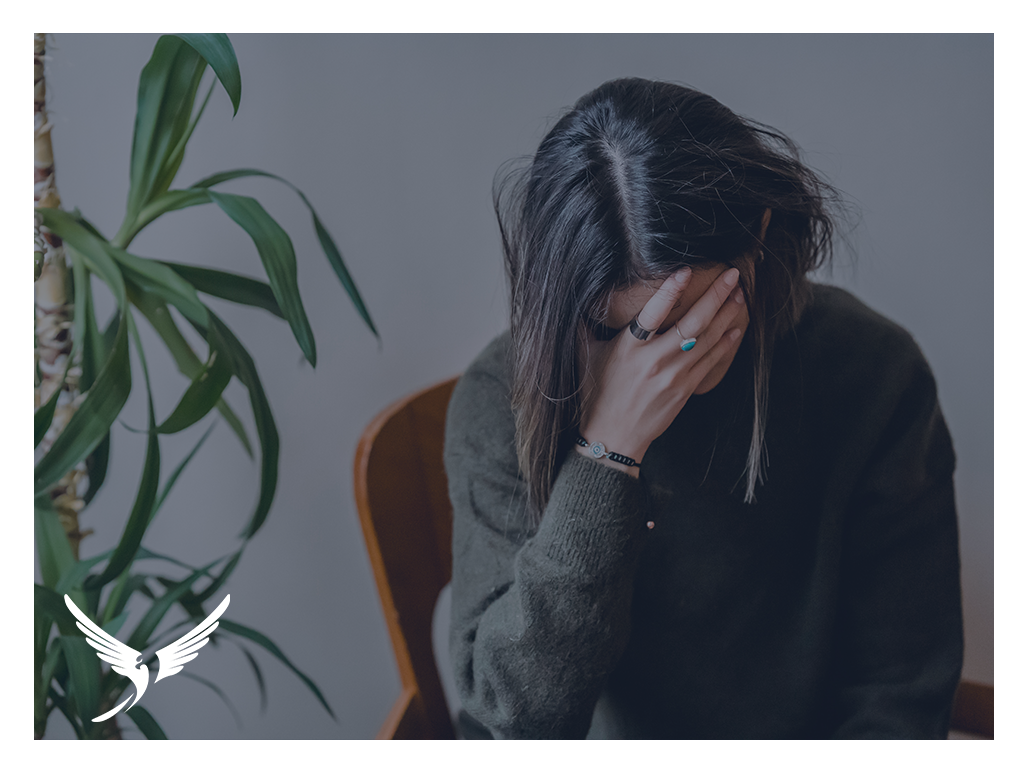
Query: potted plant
x,y
83,379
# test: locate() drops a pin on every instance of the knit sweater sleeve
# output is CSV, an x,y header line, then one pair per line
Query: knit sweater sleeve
x,y
899,621
539,616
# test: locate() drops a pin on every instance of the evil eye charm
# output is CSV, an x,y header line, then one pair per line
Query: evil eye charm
x,y
598,450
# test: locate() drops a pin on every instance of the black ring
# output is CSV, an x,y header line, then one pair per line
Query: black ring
x,y
638,332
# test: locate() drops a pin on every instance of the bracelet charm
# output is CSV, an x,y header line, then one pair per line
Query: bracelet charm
x,y
598,451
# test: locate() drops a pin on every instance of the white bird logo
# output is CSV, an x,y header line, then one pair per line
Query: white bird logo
x,y
125,660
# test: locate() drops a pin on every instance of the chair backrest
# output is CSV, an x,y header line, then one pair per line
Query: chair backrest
x,y
973,710
405,511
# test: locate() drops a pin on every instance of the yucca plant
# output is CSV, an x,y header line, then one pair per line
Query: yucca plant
x,y
83,379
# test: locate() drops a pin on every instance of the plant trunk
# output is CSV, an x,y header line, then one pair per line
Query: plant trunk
x,y
54,315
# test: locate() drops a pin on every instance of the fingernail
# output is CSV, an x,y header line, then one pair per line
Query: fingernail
x,y
730,277
738,295
683,275
734,334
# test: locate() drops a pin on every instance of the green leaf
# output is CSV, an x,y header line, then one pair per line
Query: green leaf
x,y
74,576
54,660
113,625
156,312
110,332
167,90
277,256
236,425
96,252
83,676
203,394
332,253
154,615
64,708
55,553
81,220
119,598
193,602
187,601
96,467
219,581
146,723
139,516
175,158
228,286
156,278
44,415
96,348
219,53
336,261
268,436
258,676
50,604
145,554
217,691
176,472
169,201
104,401
87,337
76,573
90,423
93,249
259,638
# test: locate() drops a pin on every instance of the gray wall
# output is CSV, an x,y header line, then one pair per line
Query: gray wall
x,y
395,139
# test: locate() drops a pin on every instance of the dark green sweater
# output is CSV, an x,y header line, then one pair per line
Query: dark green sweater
x,y
829,608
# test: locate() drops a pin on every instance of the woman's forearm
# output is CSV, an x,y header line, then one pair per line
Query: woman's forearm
x,y
540,618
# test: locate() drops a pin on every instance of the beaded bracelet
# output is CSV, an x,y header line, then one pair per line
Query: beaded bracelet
x,y
600,452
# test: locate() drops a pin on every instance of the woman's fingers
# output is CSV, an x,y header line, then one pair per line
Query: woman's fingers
x,y
720,323
701,314
635,390
663,301
710,358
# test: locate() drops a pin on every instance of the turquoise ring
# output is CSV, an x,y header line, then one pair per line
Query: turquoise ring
x,y
688,344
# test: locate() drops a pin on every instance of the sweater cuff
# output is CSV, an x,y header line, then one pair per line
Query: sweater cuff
x,y
594,517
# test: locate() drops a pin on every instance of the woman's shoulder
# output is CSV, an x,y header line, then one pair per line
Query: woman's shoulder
x,y
481,403
857,369
841,334
488,375
493,362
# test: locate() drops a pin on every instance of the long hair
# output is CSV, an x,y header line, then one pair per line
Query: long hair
x,y
639,179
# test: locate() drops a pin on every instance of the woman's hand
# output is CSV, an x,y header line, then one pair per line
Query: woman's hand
x,y
634,388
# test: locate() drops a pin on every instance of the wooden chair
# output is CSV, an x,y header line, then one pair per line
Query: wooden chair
x,y
973,711
405,512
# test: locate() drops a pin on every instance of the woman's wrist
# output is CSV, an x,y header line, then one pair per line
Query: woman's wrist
x,y
615,439
633,471
594,447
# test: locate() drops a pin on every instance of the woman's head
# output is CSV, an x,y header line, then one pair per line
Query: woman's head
x,y
637,181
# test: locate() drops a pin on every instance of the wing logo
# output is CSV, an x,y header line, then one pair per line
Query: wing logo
x,y
126,661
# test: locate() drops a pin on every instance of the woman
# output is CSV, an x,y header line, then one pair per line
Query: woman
x,y
695,495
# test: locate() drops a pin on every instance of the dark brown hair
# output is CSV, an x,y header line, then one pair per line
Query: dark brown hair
x,y
639,179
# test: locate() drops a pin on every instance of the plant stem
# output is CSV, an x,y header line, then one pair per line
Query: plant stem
x,y
54,314
126,232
